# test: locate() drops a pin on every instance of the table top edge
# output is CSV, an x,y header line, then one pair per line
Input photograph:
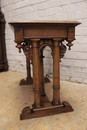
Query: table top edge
x,y
45,22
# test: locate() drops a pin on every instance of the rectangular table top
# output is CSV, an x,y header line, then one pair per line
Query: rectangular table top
x,y
44,29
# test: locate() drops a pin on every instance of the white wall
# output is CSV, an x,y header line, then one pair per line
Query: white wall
x,y
74,64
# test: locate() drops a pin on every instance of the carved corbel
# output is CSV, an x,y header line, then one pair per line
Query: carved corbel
x,y
70,37
28,51
69,44
19,45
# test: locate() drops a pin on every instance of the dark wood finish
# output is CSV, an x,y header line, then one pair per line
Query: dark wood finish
x,y
3,58
39,35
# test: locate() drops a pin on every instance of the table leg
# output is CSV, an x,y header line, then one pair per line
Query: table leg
x,y
29,79
42,106
36,76
56,74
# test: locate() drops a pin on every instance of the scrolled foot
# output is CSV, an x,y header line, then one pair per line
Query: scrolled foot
x,y
25,112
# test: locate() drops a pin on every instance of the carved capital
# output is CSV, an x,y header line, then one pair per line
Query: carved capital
x,y
56,41
35,43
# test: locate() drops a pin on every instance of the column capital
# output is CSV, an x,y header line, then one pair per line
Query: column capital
x,y
57,39
35,42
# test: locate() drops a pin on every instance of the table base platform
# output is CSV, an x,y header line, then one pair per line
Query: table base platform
x,y
46,109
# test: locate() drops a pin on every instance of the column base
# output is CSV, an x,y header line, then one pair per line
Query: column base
x,y
47,109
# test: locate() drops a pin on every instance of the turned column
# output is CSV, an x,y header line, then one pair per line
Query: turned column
x,y
42,74
56,73
36,77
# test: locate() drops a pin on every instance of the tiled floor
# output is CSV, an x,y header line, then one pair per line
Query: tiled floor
x,y
13,98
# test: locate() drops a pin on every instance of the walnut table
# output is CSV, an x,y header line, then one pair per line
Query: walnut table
x,y
33,37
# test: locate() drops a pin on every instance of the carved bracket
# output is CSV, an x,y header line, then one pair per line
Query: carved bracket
x,y
27,49
63,49
19,45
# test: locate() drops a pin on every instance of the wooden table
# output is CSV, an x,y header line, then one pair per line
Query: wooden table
x,y
33,37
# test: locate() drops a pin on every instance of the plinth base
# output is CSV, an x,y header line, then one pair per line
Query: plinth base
x,y
28,113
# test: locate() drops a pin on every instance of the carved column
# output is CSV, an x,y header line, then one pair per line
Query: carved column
x,y
28,52
56,73
27,49
36,76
